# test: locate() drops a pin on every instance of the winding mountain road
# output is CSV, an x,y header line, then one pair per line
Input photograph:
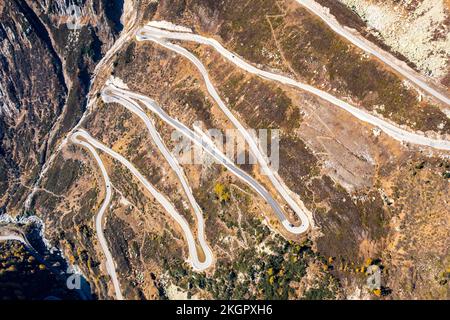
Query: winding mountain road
x,y
81,135
110,266
108,97
161,36
130,101
113,93
262,159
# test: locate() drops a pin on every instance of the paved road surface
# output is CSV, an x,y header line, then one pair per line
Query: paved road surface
x,y
110,266
201,141
194,259
159,36
109,96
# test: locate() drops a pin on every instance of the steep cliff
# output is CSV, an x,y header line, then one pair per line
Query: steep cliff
x,y
47,58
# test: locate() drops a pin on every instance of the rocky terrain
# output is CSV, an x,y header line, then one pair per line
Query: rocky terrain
x,y
374,202
417,30
46,69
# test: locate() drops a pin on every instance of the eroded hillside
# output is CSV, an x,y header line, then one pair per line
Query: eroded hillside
x,y
407,25
371,200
